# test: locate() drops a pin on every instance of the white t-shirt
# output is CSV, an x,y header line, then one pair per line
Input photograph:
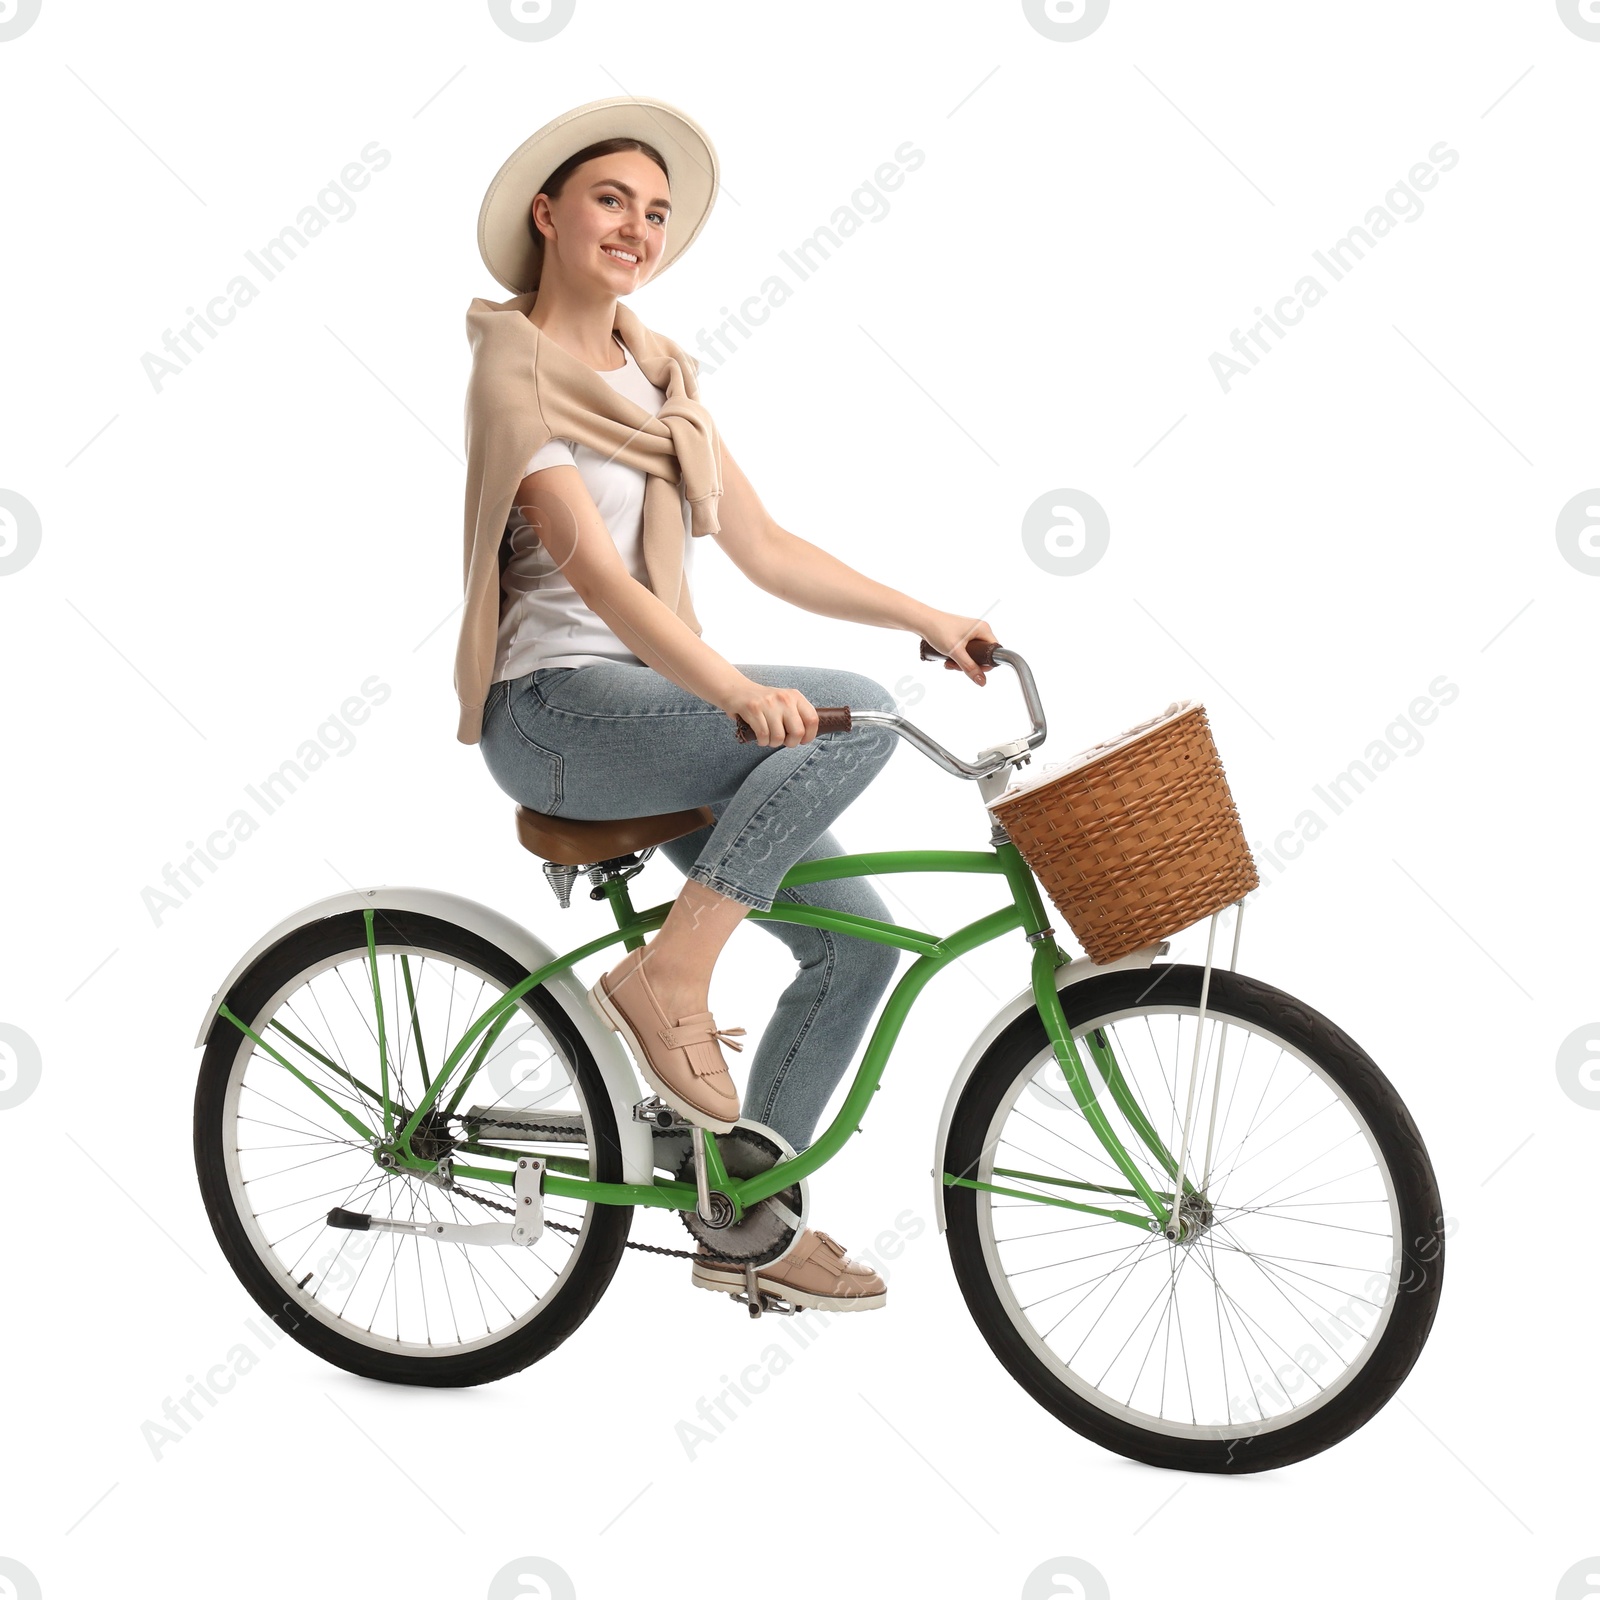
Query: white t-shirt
x,y
543,621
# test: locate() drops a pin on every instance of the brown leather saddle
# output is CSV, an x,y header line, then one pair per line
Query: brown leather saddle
x,y
566,843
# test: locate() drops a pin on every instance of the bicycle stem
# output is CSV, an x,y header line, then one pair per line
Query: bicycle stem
x,y
989,762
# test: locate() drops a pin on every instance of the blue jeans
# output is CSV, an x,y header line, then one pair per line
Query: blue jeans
x,y
613,740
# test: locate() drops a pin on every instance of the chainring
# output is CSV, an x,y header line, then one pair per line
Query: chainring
x,y
761,1234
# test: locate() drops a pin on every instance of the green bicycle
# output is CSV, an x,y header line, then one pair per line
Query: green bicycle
x,y
420,1151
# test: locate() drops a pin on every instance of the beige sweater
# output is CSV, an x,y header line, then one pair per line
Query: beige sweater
x,y
525,390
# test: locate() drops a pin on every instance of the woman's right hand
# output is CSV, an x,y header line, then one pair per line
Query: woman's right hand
x,y
951,635
777,716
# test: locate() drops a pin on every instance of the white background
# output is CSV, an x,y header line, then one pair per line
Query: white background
x,y
223,561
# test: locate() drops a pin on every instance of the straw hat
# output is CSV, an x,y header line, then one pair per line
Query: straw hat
x,y
505,238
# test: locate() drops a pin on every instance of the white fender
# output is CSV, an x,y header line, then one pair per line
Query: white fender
x,y
621,1082
1073,972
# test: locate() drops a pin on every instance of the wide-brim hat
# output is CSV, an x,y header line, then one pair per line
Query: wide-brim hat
x,y
511,249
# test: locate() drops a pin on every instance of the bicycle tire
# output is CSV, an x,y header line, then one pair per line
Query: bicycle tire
x,y
1421,1232
603,1239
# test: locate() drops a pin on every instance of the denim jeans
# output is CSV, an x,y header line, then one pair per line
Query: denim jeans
x,y
613,740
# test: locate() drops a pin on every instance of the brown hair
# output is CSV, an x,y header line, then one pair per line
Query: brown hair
x,y
557,181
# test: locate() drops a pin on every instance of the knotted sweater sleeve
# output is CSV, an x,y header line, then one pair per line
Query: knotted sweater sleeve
x,y
505,428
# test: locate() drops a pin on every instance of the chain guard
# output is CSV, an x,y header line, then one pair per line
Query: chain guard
x,y
761,1235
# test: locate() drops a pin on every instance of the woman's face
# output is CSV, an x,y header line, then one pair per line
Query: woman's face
x,y
610,207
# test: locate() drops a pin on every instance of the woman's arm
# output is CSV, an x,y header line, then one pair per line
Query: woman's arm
x,y
800,572
558,506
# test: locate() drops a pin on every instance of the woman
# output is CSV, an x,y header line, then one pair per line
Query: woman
x,y
603,701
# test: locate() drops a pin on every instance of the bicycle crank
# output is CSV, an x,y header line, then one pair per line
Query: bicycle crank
x,y
768,1227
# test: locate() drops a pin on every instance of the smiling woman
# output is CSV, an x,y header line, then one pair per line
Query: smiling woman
x,y
593,464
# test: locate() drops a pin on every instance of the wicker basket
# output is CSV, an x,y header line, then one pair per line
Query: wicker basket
x,y
1136,838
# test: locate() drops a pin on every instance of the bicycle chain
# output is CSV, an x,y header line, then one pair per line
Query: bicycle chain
x,y
556,1127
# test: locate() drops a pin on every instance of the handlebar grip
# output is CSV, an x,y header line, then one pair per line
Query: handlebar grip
x,y
981,651
830,719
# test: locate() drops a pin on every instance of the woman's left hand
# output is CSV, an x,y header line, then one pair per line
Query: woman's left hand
x,y
950,633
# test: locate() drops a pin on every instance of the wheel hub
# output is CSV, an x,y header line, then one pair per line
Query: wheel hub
x,y
1193,1219
433,1140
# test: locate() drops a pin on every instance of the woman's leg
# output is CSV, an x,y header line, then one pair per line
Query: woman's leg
x,y
683,953
613,740
774,819
821,1016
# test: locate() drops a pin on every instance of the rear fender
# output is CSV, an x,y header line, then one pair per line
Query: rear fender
x,y
622,1084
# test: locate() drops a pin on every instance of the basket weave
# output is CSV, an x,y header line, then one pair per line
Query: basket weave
x,y
1138,843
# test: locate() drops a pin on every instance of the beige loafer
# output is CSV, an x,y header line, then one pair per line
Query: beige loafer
x,y
814,1272
681,1060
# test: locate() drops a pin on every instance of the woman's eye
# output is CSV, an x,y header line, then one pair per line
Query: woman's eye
x,y
659,216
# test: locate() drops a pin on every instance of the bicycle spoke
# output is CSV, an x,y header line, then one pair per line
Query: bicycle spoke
x,y
1257,1264
321,1222
1139,1253
1046,1265
288,1111
1099,1155
262,1177
1130,1258
1312,1189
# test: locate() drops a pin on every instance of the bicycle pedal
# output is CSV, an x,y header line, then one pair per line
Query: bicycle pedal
x,y
759,1300
764,1303
654,1110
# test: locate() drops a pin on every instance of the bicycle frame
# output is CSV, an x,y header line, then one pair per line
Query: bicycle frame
x,y
567,1177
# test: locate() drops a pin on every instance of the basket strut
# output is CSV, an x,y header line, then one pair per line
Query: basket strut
x,y
1174,1230
1222,1040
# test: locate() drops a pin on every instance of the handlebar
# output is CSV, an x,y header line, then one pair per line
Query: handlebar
x,y
841,719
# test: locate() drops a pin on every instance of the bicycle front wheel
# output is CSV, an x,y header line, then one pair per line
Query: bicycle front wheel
x,y
274,1157
1313,1250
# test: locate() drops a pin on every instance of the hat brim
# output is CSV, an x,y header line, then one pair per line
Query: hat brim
x,y
504,238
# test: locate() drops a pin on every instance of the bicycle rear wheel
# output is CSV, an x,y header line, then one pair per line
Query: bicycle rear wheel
x,y
1310,1275
273,1158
